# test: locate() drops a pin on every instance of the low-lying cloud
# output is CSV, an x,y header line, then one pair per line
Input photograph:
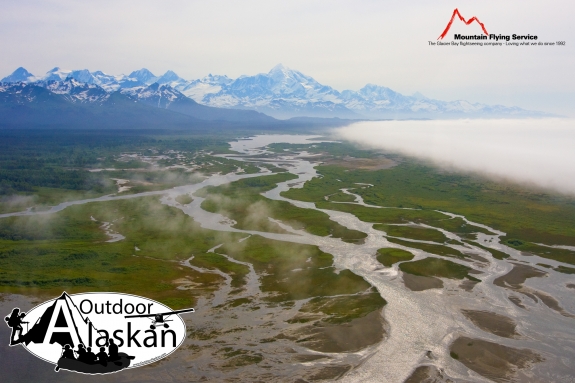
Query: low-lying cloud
x,y
537,151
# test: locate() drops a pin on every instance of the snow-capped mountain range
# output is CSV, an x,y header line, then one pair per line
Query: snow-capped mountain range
x,y
281,93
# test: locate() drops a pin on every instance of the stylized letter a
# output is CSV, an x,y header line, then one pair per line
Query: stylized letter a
x,y
59,316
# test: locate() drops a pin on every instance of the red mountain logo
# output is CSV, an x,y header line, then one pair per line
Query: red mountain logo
x,y
467,22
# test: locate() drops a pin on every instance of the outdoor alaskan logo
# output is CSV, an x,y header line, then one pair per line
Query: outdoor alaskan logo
x,y
98,333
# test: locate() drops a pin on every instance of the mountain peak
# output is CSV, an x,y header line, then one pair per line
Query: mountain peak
x,y
279,68
22,71
169,76
19,75
216,79
143,75
56,74
82,75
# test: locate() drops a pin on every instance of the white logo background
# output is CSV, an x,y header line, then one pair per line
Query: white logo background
x,y
91,318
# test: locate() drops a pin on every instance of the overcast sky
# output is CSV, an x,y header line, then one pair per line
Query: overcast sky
x,y
344,44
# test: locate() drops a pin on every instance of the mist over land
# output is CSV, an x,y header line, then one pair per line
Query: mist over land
x,y
538,152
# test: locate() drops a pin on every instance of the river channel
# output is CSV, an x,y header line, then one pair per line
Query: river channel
x,y
421,324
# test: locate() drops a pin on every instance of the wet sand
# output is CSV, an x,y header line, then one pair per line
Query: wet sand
x,y
491,360
348,337
552,303
476,257
518,275
467,285
428,374
419,283
491,322
329,373
516,301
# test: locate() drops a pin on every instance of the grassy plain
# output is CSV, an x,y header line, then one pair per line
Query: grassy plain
x,y
43,255
531,216
68,250
527,248
242,202
343,309
412,232
435,267
295,271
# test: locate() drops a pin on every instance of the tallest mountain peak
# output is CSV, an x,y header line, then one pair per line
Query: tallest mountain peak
x,y
279,68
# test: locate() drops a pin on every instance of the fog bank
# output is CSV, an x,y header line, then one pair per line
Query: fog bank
x,y
538,151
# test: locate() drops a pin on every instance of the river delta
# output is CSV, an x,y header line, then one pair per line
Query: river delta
x,y
297,275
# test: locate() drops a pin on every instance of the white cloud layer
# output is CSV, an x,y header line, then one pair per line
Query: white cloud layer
x,y
538,151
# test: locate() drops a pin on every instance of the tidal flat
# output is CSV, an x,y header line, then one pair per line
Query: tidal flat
x,y
310,260
494,361
494,323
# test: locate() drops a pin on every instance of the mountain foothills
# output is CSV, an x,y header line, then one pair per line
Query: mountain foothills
x,y
144,99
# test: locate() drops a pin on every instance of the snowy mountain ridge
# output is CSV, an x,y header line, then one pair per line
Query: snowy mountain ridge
x,y
281,93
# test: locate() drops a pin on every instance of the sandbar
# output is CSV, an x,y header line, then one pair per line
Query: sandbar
x,y
491,360
518,275
420,283
496,324
353,336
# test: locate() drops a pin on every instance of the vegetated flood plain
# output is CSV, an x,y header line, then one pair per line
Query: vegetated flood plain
x,y
310,260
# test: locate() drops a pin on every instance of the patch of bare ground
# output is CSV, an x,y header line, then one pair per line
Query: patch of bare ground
x,y
428,374
420,283
309,358
491,360
517,276
516,301
352,336
571,285
330,373
476,257
552,303
496,324
467,285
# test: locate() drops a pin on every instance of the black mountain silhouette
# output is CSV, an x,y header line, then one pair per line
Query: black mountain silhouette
x,y
38,331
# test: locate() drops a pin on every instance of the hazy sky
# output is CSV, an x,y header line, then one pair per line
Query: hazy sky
x,y
344,44
533,151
